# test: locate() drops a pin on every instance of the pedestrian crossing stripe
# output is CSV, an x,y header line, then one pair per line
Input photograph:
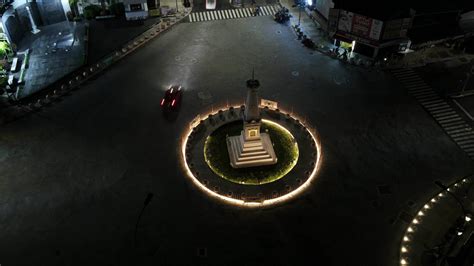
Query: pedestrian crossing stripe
x,y
427,98
470,136
409,74
444,114
417,86
462,134
455,127
468,146
424,94
448,121
428,105
438,116
447,117
422,91
414,83
440,111
414,86
465,142
408,78
437,108
419,89
449,124
457,131
232,13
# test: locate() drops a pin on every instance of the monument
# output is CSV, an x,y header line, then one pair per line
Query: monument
x,y
34,28
251,148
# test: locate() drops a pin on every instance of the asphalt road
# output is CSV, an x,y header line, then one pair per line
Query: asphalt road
x,y
73,177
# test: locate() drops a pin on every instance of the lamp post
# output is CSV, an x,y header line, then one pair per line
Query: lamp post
x,y
148,198
300,5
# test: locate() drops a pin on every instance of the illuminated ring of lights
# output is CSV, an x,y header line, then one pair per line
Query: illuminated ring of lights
x,y
411,228
239,202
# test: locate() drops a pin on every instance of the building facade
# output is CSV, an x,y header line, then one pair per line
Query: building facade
x,y
16,20
369,36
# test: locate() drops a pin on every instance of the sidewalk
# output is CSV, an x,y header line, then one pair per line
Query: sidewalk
x,y
311,28
435,54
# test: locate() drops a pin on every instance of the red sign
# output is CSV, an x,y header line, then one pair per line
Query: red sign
x,y
361,25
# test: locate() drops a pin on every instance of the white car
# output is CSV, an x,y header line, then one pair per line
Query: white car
x,y
210,4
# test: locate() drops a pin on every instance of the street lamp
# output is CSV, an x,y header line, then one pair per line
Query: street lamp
x,y
301,6
148,198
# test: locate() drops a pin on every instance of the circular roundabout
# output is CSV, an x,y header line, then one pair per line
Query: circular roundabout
x,y
206,160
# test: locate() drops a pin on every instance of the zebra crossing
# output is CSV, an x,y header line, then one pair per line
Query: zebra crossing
x,y
269,10
448,118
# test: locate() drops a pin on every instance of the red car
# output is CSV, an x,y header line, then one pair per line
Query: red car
x,y
172,98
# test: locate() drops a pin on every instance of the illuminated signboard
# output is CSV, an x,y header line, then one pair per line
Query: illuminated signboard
x,y
359,25
345,21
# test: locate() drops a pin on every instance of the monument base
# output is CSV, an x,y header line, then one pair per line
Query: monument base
x,y
251,152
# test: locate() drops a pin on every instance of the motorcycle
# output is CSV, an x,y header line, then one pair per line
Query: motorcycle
x,y
282,15
308,43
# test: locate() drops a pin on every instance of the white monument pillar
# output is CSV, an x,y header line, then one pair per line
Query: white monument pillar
x,y
251,148
33,24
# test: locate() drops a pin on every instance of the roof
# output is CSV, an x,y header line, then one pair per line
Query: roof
x,y
385,10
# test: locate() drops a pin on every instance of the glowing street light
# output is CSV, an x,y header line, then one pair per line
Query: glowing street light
x,y
467,218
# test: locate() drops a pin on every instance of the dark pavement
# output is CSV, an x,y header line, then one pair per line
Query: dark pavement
x,y
73,177
106,36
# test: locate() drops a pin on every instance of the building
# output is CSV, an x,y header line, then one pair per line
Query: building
x,y
376,30
136,9
17,20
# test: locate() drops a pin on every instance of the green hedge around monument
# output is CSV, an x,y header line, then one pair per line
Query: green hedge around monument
x,y
217,156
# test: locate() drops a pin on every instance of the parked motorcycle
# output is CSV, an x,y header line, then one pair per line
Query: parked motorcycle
x,y
308,42
282,15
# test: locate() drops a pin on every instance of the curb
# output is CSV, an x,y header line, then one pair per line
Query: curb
x,y
71,82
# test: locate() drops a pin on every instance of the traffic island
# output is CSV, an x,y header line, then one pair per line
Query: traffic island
x,y
217,157
213,175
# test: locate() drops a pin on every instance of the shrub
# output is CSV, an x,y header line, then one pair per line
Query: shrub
x,y
91,11
117,9
4,49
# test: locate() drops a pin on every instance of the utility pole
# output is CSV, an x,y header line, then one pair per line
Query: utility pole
x,y
299,14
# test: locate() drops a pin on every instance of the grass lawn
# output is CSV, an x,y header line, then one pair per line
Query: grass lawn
x,y
217,156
